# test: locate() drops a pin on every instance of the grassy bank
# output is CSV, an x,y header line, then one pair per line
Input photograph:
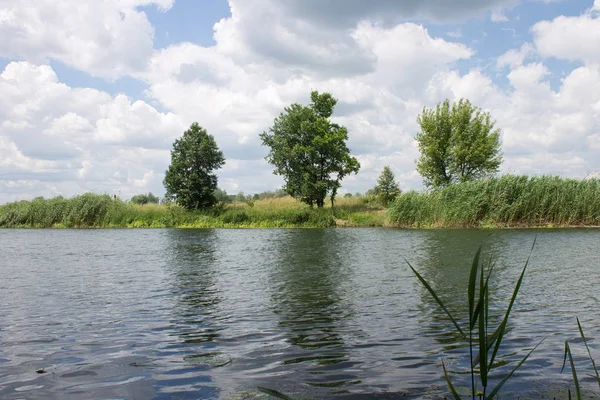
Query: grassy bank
x,y
507,201
101,211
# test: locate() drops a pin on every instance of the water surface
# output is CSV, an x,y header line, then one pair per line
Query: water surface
x,y
190,314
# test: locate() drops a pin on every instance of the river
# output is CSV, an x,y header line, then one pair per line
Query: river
x,y
203,314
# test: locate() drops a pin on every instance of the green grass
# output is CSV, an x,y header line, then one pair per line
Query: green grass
x,y
101,211
507,201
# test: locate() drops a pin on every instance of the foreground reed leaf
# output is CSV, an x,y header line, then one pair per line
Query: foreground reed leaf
x,y
449,382
507,377
437,299
471,289
588,350
274,393
483,361
573,371
502,327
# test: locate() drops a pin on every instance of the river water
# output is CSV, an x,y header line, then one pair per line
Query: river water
x,y
202,314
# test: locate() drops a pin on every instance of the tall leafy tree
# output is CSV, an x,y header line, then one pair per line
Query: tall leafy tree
x,y
387,189
190,180
310,151
458,143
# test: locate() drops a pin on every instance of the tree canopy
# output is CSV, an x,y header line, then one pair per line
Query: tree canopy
x,y
145,199
310,151
387,189
458,143
190,180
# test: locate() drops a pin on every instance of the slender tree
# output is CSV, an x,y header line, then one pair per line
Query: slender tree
x,y
190,180
387,189
458,143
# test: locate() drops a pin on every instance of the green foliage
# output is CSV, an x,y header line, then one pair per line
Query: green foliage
x,y
190,180
503,201
145,199
310,151
457,144
477,333
86,210
101,211
387,188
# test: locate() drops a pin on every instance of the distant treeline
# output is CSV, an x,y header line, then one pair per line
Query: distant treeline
x,y
509,200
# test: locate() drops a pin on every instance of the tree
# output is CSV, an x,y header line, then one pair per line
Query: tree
x,y
190,180
310,151
145,199
387,188
457,144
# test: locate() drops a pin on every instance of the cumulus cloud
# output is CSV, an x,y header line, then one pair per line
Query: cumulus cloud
x,y
570,38
104,38
80,139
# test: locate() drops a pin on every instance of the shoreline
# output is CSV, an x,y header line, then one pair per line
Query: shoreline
x,y
339,224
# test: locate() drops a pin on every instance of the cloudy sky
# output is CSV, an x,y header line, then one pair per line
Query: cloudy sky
x,y
93,93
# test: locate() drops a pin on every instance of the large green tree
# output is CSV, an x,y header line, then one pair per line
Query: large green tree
x,y
387,189
310,151
458,143
190,179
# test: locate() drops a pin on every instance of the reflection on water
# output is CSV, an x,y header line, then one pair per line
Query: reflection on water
x,y
194,283
306,285
188,314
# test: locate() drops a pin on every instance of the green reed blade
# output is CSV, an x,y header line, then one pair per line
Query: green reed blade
x,y
502,327
483,361
507,377
449,382
471,289
588,350
573,371
274,393
437,299
490,338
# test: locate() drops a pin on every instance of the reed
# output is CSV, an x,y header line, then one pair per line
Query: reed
x,y
484,343
506,201
569,355
101,211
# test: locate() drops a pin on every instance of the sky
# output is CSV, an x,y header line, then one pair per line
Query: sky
x,y
94,93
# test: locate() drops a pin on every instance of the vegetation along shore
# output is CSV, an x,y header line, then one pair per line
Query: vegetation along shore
x,y
503,202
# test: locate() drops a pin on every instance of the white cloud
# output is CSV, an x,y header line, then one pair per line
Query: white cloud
x,y
78,139
570,38
104,38
498,15
515,57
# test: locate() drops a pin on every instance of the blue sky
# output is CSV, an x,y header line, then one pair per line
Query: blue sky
x,y
93,102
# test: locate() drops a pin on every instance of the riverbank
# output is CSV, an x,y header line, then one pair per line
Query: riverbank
x,y
508,201
100,211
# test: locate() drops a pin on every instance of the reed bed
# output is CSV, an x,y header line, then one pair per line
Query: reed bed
x,y
507,201
101,211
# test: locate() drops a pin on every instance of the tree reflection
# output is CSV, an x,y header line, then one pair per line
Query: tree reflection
x,y
192,255
307,283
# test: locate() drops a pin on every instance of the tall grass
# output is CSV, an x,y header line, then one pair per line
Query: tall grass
x,y
101,211
505,201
